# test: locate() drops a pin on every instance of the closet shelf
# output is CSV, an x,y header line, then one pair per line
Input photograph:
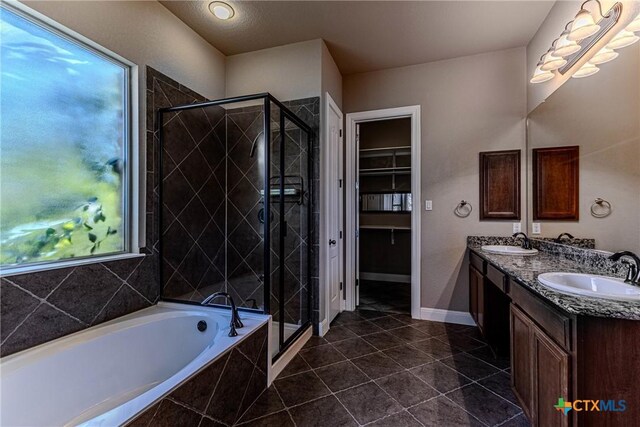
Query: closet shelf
x,y
366,153
384,227
403,170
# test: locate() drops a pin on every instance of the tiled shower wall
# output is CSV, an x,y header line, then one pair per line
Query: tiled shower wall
x,y
194,182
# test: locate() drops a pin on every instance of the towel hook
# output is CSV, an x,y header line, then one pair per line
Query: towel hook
x,y
600,208
463,209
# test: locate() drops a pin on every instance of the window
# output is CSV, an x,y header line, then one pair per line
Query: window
x,y
65,133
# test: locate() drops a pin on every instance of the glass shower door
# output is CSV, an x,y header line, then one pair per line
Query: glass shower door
x,y
295,249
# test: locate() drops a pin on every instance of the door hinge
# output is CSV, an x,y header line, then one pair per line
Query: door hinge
x,y
340,183
357,282
340,285
341,234
340,133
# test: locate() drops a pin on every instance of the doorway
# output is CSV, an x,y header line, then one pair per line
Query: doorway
x,y
383,210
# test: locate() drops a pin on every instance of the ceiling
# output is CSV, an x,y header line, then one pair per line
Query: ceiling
x,y
370,35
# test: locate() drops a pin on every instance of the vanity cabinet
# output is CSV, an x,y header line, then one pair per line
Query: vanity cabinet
x,y
555,354
539,370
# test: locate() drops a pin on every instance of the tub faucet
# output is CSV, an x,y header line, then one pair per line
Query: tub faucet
x,y
559,238
526,243
633,274
235,317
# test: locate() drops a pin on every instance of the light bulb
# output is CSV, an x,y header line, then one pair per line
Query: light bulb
x,y
604,55
540,76
551,62
623,39
565,47
221,10
586,70
583,26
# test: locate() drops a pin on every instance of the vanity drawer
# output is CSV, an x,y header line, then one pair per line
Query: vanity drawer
x,y
497,277
477,262
554,323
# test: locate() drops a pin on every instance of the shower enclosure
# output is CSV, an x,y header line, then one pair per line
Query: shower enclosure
x,y
235,207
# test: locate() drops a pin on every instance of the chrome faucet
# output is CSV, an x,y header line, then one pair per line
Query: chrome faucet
x,y
235,317
526,243
633,272
559,238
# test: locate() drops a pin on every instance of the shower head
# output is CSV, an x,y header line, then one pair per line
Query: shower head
x,y
254,145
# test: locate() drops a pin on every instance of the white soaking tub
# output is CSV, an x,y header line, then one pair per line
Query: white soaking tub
x,y
106,375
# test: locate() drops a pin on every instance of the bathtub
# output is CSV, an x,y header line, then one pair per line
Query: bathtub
x,y
106,375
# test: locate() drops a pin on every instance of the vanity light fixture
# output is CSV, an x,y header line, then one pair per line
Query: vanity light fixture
x,y
604,55
221,10
540,76
551,62
623,39
564,46
578,39
586,70
583,25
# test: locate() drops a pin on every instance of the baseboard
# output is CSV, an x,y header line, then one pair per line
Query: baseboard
x,y
448,316
323,327
278,366
384,277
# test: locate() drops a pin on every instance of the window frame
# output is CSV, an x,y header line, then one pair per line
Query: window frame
x,y
133,224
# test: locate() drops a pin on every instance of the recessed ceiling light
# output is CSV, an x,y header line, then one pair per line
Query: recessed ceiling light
x,y
221,10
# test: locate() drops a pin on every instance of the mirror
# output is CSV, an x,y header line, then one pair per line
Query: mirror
x,y
601,115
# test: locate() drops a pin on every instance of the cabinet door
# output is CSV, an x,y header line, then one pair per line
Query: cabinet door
x,y
550,380
521,358
476,296
481,299
473,293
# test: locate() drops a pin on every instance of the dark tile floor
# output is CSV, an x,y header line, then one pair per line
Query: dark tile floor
x,y
382,369
385,296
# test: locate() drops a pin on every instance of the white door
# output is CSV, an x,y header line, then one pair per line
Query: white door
x,y
335,200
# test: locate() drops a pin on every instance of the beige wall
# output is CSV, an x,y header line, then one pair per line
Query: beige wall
x,y
331,77
561,13
601,114
469,104
288,72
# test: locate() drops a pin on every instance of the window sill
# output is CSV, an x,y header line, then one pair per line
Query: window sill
x,y
14,271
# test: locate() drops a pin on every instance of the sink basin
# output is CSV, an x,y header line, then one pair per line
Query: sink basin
x,y
590,285
508,250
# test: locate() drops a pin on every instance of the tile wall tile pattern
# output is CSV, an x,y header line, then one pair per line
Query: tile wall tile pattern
x,y
219,394
194,186
414,373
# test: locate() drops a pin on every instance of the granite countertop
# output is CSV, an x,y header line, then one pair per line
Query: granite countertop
x,y
525,270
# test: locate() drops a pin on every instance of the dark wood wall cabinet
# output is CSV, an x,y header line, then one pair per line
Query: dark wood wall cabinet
x,y
556,182
555,354
500,185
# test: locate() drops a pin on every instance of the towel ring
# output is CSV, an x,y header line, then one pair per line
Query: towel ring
x,y
601,208
460,210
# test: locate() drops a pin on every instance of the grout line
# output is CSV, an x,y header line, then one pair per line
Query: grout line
x,y
107,303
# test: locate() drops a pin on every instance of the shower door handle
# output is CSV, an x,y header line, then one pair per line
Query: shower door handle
x,y
332,242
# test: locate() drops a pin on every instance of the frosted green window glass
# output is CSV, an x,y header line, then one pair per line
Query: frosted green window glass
x,y
63,138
